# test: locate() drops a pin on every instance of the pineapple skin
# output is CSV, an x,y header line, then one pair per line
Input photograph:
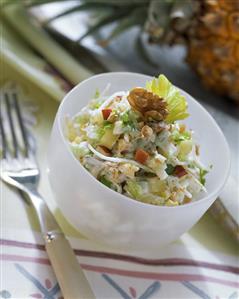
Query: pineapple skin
x,y
213,46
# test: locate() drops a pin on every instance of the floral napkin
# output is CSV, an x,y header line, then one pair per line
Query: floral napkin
x,y
172,272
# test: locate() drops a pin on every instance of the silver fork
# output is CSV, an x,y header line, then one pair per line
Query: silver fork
x,y
19,169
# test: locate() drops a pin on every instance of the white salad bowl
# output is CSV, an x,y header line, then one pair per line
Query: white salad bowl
x,y
108,217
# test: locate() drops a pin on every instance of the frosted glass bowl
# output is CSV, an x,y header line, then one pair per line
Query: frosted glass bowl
x,y
108,217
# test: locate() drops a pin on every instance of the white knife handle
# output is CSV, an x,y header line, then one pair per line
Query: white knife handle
x,y
68,271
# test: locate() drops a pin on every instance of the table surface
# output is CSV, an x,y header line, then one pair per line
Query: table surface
x,y
205,241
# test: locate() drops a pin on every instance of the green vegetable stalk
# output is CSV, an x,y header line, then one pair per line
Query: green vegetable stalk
x,y
177,104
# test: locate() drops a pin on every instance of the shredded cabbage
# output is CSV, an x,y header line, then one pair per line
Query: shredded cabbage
x,y
80,150
118,160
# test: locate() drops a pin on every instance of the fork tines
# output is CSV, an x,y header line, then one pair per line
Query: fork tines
x,y
12,130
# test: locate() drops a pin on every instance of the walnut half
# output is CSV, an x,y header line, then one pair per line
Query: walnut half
x,y
151,106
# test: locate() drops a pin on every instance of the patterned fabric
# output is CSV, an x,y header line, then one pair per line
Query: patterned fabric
x,y
170,273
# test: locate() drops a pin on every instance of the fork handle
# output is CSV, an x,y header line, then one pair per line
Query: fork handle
x,y
69,274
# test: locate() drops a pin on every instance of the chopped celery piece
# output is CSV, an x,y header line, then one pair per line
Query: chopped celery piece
x,y
134,189
178,137
129,120
170,169
202,175
105,181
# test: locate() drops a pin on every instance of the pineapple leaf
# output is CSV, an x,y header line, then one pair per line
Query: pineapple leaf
x,y
108,19
135,18
176,102
122,2
40,2
81,7
115,3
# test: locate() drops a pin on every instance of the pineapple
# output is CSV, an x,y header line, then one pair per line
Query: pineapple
x,y
213,46
210,31
208,28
